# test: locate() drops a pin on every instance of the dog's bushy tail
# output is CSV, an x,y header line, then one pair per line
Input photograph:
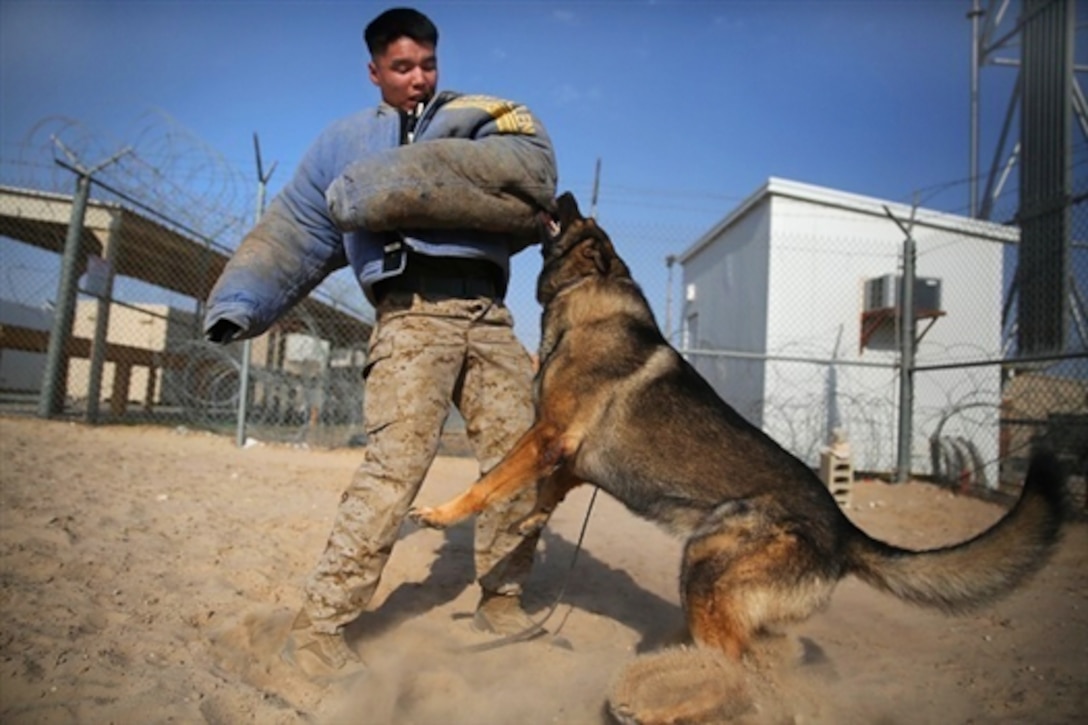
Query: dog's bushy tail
x,y
961,577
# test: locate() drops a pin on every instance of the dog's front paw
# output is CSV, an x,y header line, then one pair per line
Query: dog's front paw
x,y
426,516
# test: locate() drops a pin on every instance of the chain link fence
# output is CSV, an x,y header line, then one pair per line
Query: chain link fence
x,y
1045,325
134,350
792,309
791,314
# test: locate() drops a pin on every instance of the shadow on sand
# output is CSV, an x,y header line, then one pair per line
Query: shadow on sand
x,y
659,622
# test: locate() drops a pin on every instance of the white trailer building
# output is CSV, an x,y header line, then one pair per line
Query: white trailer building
x,y
789,311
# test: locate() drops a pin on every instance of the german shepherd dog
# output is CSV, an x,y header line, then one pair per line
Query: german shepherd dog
x,y
765,541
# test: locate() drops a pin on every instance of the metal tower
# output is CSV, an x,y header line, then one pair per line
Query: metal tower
x,y
1045,109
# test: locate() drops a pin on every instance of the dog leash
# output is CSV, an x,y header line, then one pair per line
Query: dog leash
x,y
536,629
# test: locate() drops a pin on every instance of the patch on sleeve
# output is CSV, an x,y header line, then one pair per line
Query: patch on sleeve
x,y
509,117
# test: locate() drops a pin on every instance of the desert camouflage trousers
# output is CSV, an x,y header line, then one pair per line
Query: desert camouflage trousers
x,y
424,353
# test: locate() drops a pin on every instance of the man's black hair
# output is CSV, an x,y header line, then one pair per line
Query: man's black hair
x,y
397,23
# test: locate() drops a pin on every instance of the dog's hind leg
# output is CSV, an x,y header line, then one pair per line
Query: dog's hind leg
x,y
742,572
716,622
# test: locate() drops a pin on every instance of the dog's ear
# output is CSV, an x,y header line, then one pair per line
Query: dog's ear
x,y
597,248
592,252
600,253
567,207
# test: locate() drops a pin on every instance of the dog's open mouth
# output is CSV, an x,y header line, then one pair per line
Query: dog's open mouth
x,y
552,228
550,224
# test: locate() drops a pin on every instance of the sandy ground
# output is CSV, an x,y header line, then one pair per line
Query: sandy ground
x,y
148,575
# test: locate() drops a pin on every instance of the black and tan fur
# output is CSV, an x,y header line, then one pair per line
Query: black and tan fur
x,y
766,542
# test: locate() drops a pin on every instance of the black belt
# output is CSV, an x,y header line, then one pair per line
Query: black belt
x,y
468,279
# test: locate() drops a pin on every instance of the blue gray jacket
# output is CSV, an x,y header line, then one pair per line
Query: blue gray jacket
x,y
471,185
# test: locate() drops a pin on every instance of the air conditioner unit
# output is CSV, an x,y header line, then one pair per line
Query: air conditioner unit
x,y
883,293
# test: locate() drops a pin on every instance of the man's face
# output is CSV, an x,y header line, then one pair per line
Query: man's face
x,y
406,73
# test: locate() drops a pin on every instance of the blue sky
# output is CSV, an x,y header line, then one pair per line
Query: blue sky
x,y
689,105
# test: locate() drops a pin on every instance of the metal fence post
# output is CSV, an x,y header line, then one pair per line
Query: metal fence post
x,y
247,345
54,379
906,362
55,376
907,341
102,321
